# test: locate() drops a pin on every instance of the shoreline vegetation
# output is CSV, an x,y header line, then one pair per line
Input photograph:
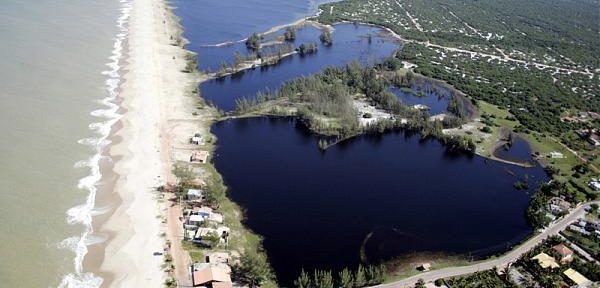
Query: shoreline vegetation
x,y
195,117
327,102
346,102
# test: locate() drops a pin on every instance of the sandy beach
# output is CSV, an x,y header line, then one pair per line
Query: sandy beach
x,y
154,91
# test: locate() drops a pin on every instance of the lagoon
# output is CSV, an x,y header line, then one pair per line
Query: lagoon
x,y
315,209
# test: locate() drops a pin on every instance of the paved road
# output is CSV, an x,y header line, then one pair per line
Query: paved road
x,y
512,256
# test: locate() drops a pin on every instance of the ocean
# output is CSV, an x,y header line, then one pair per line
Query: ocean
x,y
60,72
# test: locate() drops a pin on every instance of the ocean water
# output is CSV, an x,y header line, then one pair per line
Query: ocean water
x,y
60,73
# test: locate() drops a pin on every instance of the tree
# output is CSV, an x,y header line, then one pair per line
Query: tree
x,y
303,280
359,277
253,41
253,269
326,38
237,58
420,284
323,279
290,34
345,279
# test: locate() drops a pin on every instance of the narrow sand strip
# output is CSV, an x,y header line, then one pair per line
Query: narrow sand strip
x,y
152,83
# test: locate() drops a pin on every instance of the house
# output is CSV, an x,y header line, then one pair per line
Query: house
x,y
558,205
565,253
199,156
577,278
545,261
210,277
194,194
556,155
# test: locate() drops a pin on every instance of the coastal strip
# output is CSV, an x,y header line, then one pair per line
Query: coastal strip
x,y
133,254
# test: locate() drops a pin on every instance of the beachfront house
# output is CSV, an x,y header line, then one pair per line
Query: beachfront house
x,y
577,278
210,277
565,253
545,261
199,156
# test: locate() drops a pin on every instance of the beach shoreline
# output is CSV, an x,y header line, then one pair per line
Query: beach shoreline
x,y
153,91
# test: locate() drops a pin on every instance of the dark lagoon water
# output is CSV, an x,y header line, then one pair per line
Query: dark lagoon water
x,y
436,101
519,151
316,208
350,42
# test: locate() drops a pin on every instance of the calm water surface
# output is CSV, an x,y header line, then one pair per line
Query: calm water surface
x,y
214,22
350,43
519,151
52,55
437,103
315,209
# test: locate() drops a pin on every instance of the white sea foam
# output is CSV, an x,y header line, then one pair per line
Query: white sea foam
x,y
82,214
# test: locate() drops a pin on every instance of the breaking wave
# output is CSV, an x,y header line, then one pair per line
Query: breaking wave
x,y
82,214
